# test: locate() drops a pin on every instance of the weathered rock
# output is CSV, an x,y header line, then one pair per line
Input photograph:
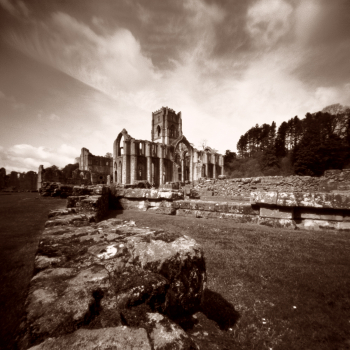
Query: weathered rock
x,y
90,272
277,212
106,338
264,197
163,333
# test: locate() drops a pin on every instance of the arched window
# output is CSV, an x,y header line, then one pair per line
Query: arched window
x,y
158,131
121,146
172,131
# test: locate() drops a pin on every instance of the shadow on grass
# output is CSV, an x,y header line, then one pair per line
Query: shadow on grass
x,y
218,309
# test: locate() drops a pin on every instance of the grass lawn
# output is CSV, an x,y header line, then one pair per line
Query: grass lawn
x,y
22,218
267,288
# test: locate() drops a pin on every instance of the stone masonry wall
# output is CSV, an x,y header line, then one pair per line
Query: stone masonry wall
x,y
332,181
243,186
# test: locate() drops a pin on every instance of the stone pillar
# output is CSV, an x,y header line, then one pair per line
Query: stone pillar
x,y
191,166
149,161
126,162
120,170
222,164
124,169
133,159
207,170
108,180
161,171
214,166
40,177
182,170
161,164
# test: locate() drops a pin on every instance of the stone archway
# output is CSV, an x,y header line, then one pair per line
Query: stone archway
x,y
182,151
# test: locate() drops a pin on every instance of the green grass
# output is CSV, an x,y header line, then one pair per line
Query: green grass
x,y
22,218
275,289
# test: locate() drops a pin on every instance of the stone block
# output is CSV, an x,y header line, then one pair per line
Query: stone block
x,y
242,208
240,218
341,201
343,187
186,212
182,204
306,199
343,226
318,214
323,200
327,185
277,213
331,172
135,193
286,199
152,194
162,210
311,224
260,197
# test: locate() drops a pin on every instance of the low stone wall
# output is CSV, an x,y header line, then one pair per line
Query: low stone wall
x,y
332,181
310,210
111,285
243,186
318,210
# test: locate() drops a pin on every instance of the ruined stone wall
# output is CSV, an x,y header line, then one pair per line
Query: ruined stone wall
x,y
99,167
243,186
18,181
335,181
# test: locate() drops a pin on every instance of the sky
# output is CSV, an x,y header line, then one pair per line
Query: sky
x,y
73,74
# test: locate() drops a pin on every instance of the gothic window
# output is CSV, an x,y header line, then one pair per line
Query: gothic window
x,y
121,146
172,131
140,173
158,131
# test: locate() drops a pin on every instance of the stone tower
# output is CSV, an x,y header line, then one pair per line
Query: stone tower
x,y
166,125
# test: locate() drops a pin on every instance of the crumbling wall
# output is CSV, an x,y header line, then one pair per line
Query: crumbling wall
x,y
79,177
99,167
243,186
18,181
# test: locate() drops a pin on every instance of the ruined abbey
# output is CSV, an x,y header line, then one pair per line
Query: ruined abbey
x,y
169,157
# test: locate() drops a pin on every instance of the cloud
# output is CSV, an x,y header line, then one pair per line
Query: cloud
x,y
53,117
268,21
12,101
225,69
15,8
24,157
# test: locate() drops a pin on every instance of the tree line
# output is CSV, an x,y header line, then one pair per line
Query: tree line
x,y
307,146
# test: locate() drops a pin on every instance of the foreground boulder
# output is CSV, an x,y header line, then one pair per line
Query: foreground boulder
x,y
109,275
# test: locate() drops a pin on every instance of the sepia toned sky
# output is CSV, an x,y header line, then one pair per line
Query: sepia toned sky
x,y
73,74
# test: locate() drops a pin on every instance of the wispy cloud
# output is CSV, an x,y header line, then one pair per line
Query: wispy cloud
x,y
24,157
15,8
12,101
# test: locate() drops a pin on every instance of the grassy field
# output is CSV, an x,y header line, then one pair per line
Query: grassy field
x,y
267,288
22,218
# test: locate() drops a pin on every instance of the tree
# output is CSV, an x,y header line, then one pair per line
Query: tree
x,y
109,155
68,170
